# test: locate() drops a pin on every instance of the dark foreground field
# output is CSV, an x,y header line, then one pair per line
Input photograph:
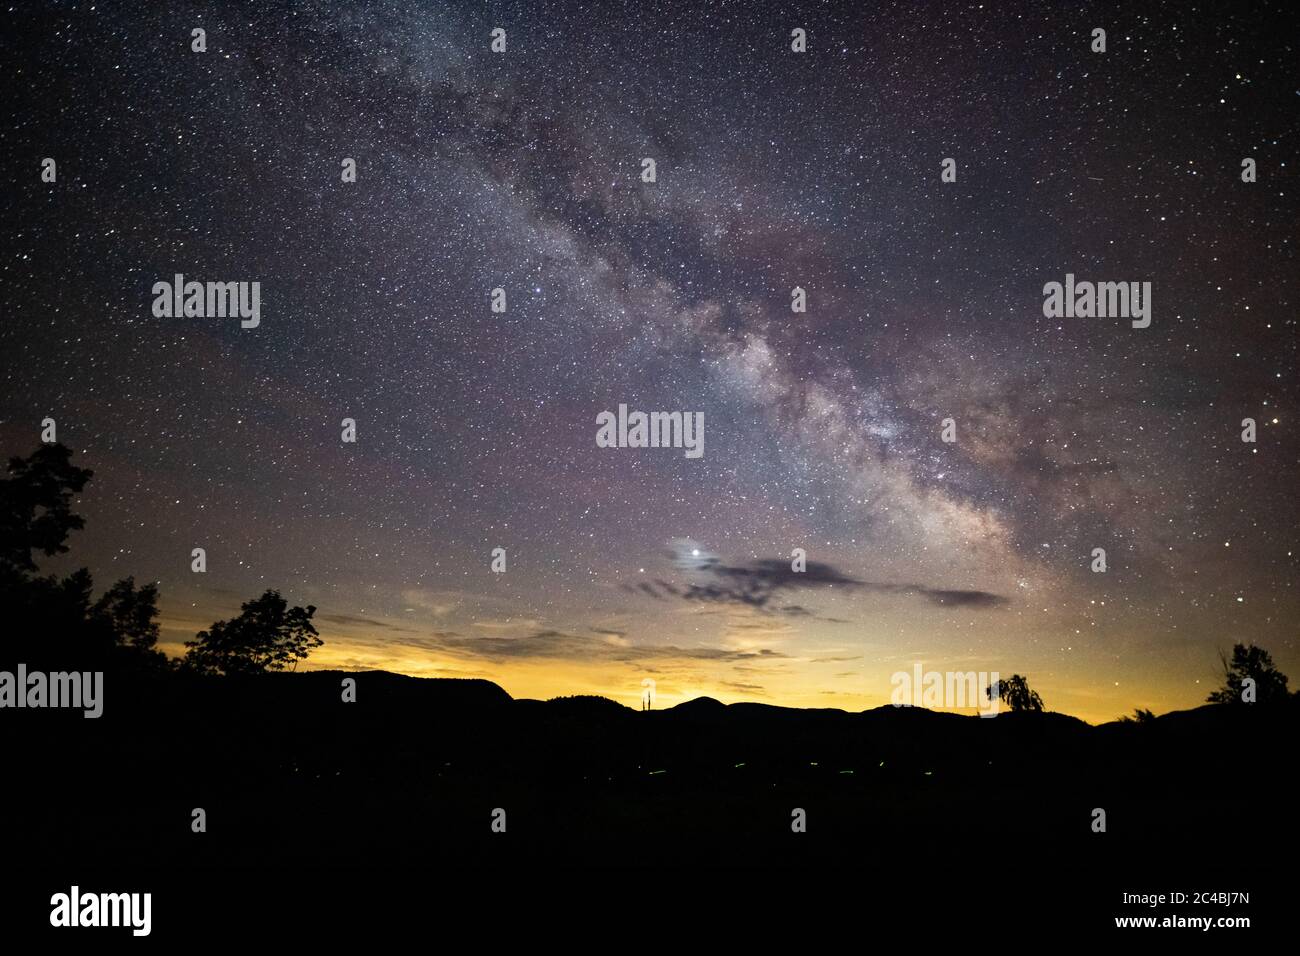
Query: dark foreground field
x,y
290,775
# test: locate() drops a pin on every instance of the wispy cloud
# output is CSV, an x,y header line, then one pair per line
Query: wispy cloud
x,y
560,645
756,585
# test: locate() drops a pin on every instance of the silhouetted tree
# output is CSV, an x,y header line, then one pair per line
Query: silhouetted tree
x,y
130,616
36,506
1254,663
267,636
53,619
1140,716
1015,693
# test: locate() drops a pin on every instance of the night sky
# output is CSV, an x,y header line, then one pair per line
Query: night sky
x,y
476,429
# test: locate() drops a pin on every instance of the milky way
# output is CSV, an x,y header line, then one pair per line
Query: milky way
x,y
476,429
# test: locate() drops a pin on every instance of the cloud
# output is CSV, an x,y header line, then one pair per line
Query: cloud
x,y
757,583
560,645
756,689
349,620
963,598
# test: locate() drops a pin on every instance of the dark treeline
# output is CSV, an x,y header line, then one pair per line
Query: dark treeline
x,y
57,623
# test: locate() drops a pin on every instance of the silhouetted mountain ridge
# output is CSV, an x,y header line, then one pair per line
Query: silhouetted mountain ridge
x,y
412,770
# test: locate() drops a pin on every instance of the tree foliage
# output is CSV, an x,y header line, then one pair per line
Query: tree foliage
x,y
129,614
59,622
54,620
268,635
1249,663
1140,716
36,506
1015,693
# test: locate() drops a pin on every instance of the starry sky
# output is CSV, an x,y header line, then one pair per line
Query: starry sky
x,y
476,429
